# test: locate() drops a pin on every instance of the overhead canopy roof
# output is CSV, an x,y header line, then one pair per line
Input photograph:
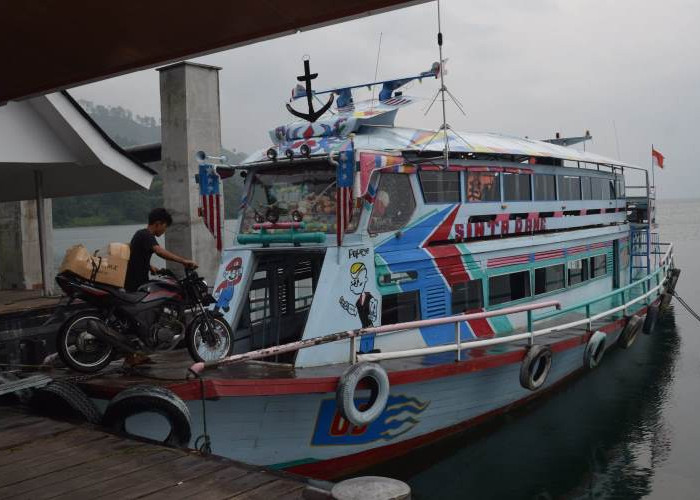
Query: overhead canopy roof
x,y
52,134
47,46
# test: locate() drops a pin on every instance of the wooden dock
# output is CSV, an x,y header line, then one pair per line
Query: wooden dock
x,y
43,458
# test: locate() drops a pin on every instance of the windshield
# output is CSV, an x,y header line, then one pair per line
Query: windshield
x,y
287,194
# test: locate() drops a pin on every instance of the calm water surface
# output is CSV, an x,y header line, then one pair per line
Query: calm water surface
x,y
629,429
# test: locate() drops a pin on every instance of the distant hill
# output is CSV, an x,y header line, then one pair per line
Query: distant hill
x,y
131,207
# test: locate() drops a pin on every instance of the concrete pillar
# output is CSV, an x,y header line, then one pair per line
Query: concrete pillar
x,y
20,263
190,121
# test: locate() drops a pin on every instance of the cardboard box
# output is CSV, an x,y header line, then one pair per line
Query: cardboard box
x,y
107,266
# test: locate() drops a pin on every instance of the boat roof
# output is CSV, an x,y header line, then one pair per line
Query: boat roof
x,y
370,124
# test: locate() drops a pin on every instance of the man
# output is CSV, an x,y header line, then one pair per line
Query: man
x,y
144,244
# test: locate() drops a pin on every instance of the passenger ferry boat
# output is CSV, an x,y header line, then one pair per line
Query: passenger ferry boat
x,y
384,296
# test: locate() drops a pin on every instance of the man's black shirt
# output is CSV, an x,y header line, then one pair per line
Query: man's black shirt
x,y
140,259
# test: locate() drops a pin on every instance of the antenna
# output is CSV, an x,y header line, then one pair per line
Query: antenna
x,y
441,92
617,142
376,68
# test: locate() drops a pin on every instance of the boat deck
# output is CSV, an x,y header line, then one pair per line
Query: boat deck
x,y
263,377
43,458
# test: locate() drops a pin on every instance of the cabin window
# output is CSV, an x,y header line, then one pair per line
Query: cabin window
x,y
550,278
467,297
393,205
400,307
276,193
570,187
509,287
620,187
545,187
516,187
599,266
439,186
603,189
578,271
586,189
483,186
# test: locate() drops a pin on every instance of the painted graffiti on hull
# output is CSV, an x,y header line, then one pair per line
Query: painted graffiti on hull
x,y
399,416
232,276
365,305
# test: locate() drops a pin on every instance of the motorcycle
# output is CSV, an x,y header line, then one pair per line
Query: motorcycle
x,y
156,317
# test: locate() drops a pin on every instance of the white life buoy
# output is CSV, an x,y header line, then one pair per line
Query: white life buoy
x,y
378,382
535,367
595,349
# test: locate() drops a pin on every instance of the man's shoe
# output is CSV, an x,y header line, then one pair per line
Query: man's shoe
x,y
137,358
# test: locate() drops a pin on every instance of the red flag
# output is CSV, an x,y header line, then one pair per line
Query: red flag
x,y
657,158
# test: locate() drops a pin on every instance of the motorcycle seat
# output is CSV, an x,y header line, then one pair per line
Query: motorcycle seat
x,y
131,297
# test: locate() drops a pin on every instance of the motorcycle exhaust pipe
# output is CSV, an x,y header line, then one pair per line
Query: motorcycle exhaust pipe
x,y
107,334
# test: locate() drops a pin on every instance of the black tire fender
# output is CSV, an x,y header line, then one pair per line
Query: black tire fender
x,y
62,398
347,387
24,396
595,349
535,367
651,319
629,332
150,399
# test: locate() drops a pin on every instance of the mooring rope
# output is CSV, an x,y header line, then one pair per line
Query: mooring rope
x,y
203,441
687,307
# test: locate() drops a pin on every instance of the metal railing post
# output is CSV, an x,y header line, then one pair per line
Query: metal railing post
x,y
529,326
458,339
353,350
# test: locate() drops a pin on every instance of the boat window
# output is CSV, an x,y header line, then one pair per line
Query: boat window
x,y
393,205
400,307
620,187
550,278
279,192
439,186
602,188
509,287
598,265
570,187
483,186
545,187
516,187
586,191
578,271
467,297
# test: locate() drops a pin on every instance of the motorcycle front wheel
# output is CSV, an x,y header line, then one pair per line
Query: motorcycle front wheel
x,y
205,345
78,348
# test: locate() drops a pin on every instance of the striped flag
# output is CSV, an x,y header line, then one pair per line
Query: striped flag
x,y
344,199
210,210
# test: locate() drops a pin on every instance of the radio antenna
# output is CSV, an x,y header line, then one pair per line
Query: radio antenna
x,y
445,127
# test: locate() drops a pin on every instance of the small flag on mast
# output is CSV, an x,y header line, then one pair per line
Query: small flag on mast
x,y
344,198
657,158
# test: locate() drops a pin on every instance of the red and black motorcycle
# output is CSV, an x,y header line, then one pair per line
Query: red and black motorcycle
x,y
156,317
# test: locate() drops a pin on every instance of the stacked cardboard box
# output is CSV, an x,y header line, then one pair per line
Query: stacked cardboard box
x,y
107,265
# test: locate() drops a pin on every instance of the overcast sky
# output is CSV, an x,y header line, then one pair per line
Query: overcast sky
x,y
522,68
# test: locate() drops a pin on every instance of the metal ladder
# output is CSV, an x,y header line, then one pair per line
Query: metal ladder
x,y
644,242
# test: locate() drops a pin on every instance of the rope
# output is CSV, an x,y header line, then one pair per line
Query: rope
x,y
203,441
687,307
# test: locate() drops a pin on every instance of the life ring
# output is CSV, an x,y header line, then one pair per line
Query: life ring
x,y
595,349
378,382
150,399
629,333
535,367
62,398
651,319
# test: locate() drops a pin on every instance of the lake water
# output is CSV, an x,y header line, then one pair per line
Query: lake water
x,y
630,429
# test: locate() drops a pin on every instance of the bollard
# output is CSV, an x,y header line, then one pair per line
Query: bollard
x,y
371,488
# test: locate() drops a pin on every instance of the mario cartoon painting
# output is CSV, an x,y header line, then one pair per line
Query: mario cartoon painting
x,y
232,276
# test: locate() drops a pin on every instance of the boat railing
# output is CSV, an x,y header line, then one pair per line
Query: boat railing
x,y
459,345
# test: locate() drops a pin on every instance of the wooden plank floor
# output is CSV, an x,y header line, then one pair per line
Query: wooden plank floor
x,y
42,458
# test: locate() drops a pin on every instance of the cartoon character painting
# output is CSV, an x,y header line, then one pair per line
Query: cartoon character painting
x,y
232,276
366,305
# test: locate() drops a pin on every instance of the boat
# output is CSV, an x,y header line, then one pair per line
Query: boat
x,y
390,286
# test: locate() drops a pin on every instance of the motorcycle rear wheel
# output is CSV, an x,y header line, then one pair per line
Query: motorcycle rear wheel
x,y
204,351
80,350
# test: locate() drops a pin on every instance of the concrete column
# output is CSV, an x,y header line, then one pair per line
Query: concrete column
x,y
190,121
20,262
